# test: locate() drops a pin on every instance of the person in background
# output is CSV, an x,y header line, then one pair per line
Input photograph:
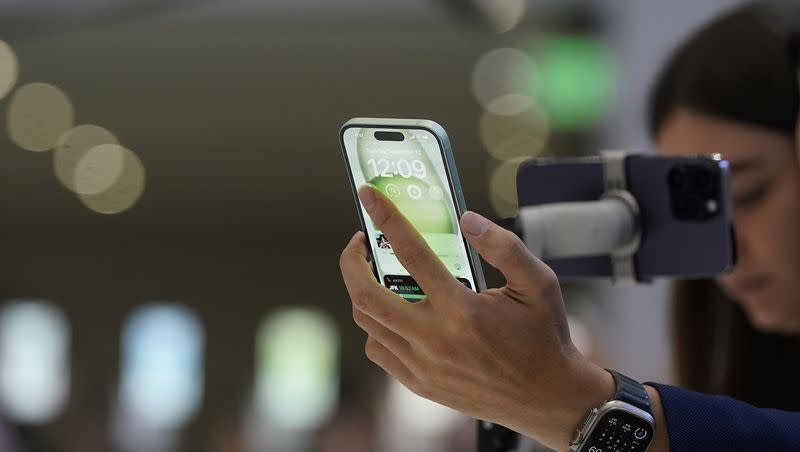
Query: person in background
x,y
731,89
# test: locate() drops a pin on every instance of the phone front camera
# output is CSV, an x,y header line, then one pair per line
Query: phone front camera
x,y
385,135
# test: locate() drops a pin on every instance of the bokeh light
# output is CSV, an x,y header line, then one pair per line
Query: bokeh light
x,y
99,169
297,377
411,422
503,15
575,79
501,80
128,181
524,134
9,69
162,365
503,187
72,146
34,361
38,115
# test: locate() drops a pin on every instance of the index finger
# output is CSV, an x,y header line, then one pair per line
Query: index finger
x,y
408,245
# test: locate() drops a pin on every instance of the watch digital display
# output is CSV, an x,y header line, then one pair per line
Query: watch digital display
x,y
619,431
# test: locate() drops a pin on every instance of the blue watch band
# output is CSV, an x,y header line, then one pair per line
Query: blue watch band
x,y
630,391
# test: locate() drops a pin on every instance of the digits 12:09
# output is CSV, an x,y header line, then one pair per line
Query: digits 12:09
x,y
404,168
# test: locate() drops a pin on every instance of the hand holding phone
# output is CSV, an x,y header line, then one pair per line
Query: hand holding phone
x,y
483,353
487,354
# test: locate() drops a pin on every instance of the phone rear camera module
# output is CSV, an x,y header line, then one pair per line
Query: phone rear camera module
x,y
385,135
694,192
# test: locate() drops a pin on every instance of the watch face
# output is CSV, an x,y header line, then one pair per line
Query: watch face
x,y
619,431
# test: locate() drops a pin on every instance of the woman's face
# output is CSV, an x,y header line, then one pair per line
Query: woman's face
x,y
766,196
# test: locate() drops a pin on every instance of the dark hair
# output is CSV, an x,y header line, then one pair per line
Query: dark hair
x,y
737,68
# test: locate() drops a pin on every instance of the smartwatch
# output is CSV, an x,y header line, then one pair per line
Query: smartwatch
x,y
623,423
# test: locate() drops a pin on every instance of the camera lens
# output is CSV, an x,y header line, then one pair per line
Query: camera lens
x,y
677,178
701,178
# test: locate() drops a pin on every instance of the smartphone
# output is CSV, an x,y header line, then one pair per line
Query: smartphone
x,y
686,215
411,162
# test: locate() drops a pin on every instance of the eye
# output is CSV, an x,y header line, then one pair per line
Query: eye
x,y
751,196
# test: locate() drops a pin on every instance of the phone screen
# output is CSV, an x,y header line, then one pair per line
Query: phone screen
x,y
411,173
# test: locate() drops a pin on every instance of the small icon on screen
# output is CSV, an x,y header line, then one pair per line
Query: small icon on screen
x,y
383,242
414,192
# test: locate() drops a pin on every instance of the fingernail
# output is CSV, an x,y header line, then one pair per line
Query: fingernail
x,y
474,224
367,197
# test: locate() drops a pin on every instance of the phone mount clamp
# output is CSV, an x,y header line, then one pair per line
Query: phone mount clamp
x,y
608,226
628,223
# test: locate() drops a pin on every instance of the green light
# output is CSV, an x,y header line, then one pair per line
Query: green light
x,y
298,373
575,79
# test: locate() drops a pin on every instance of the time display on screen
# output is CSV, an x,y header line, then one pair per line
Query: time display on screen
x,y
403,168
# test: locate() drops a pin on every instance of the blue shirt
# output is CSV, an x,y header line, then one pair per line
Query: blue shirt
x,y
700,422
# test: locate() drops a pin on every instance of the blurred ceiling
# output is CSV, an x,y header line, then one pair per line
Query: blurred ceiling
x,y
24,18
236,117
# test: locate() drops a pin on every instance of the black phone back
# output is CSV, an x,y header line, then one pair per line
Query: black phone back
x,y
684,202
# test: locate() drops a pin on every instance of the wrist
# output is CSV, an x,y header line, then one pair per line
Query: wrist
x,y
624,422
598,387
584,386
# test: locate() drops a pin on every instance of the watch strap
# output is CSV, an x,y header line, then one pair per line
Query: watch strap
x,y
630,391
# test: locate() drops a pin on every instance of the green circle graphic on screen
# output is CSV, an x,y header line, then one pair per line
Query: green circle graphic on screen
x,y
423,204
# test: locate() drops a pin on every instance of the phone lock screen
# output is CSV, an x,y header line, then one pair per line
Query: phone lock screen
x,y
410,171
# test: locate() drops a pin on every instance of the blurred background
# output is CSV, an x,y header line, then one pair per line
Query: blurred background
x,y
174,202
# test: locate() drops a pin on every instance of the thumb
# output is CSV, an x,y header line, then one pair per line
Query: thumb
x,y
503,250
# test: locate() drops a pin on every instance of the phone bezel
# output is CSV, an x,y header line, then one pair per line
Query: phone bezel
x,y
454,183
